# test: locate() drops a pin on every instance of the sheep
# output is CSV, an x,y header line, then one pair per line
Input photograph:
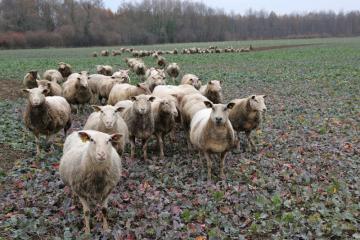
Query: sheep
x,y
91,167
173,71
30,79
45,115
53,87
140,121
53,75
105,119
76,89
140,69
65,69
125,91
153,71
94,54
161,62
164,112
104,53
122,74
115,53
104,70
155,77
246,116
191,79
176,92
212,90
212,133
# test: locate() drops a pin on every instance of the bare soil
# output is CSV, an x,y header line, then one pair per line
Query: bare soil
x,y
10,90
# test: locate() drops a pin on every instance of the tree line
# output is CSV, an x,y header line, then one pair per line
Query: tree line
x,y
65,23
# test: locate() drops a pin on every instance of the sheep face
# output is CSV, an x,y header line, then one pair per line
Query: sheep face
x,y
123,75
100,146
142,104
44,84
36,96
144,88
34,74
214,86
108,114
169,107
82,81
257,103
220,112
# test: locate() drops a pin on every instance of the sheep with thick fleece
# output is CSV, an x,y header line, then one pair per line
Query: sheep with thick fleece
x,y
53,75
105,119
125,91
164,112
191,79
30,79
176,91
212,133
173,71
94,54
104,70
246,115
91,167
104,53
155,78
46,115
140,121
64,69
212,90
122,74
76,89
54,89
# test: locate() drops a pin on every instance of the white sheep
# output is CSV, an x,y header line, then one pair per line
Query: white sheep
x,y
173,71
104,70
212,90
91,167
53,75
76,89
191,79
125,91
54,89
212,133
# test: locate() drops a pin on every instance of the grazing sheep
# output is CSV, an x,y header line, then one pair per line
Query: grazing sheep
x,y
91,167
173,71
191,79
140,121
53,75
115,53
54,89
104,70
76,89
125,91
140,69
246,115
46,115
212,90
211,132
64,69
94,54
104,53
30,79
105,119
164,112
161,62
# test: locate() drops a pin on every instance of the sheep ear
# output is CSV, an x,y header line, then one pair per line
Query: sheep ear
x,y
210,82
208,104
230,105
96,108
138,85
133,99
84,136
25,90
45,91
152,98
48,84
115,138
119,109
264,96
221,81
253,97
78,79
112,77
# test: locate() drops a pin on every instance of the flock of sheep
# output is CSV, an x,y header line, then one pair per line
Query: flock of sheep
x,y
123,112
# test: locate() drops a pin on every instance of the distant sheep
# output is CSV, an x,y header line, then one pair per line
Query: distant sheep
x,y
125,91
212,90
191,79
246,115
54,89
65,69
161,62
173,71
104,70
104,53
94,54
91,167
30,79
212,133
45,115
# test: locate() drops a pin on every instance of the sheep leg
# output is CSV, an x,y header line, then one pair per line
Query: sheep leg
x,y
104,216
209,163
172,135
160,144
86,210
132,148
144,148
37,142
222,163
188,141
250,141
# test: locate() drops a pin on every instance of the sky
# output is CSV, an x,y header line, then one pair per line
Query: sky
x,y
278,6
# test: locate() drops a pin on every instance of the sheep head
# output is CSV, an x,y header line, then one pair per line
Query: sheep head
x,y
257,103
36,96
142,103
108,114
220,112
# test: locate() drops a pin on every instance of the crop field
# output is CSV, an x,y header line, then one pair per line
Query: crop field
x,y
302,183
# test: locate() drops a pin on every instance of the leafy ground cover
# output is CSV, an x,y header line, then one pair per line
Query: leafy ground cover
x,y
303,183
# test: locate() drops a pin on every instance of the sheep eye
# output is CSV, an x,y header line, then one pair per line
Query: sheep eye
x,y
92,140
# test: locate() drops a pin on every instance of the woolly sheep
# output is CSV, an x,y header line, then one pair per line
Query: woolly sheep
x,y
173,71
125,91
212,90
140,121
91,167
161,62
212,133
155,77
104,70
94,54
30,79
54,89
104,53
64,69
246,115
76,89
122,74
45,115
105,119
164,112
115,53
191,79
53,75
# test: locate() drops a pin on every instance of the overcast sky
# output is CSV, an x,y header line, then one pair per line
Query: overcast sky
x,y
278,6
